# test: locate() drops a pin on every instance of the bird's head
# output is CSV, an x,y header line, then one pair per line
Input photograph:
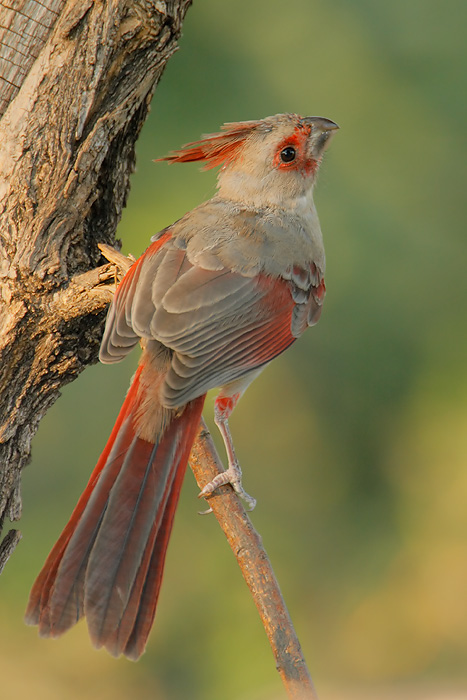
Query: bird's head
x,y
272,161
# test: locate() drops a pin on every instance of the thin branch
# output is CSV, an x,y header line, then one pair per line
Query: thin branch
x,y
256,568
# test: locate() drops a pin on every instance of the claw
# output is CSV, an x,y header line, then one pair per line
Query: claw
x,y
232,476
204,512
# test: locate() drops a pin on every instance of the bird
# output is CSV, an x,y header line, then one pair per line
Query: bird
x,y
216,296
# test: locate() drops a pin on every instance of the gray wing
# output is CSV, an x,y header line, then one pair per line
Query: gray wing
x,y
218,324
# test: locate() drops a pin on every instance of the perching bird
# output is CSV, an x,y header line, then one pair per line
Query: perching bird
x,y
213,300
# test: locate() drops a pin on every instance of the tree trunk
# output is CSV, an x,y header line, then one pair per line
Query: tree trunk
x,y
76,80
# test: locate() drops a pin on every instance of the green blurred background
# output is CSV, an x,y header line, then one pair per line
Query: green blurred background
x,y
354,441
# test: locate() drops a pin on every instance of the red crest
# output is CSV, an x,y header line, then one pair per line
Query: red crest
x,y
215,149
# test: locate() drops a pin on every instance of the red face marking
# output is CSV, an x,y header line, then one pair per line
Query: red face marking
x,y
298,141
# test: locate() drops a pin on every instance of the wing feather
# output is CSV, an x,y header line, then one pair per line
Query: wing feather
x,y
219,324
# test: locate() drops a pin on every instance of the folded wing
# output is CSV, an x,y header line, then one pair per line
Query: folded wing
x,y
218,324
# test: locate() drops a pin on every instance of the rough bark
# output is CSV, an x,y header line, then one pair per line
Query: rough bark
x,y
76,80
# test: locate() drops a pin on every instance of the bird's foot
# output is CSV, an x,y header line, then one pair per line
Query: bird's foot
x,y
232,476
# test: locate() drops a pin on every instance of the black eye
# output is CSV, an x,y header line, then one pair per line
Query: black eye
x,y
288,154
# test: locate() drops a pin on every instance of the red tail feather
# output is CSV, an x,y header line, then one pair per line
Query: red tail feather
x,y
108,561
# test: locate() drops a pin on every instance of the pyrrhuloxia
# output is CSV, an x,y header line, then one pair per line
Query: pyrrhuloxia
x,y
213,300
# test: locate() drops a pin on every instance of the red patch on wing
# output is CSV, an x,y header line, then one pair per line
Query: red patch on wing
x,y
215,149
276,335
320,291
134,271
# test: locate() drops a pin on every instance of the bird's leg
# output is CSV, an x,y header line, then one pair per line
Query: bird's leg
x,y
223,407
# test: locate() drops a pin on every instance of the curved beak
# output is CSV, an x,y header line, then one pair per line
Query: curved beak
x,y
320,123
322,130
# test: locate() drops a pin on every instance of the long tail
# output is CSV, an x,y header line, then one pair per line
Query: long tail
x,y
107,564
